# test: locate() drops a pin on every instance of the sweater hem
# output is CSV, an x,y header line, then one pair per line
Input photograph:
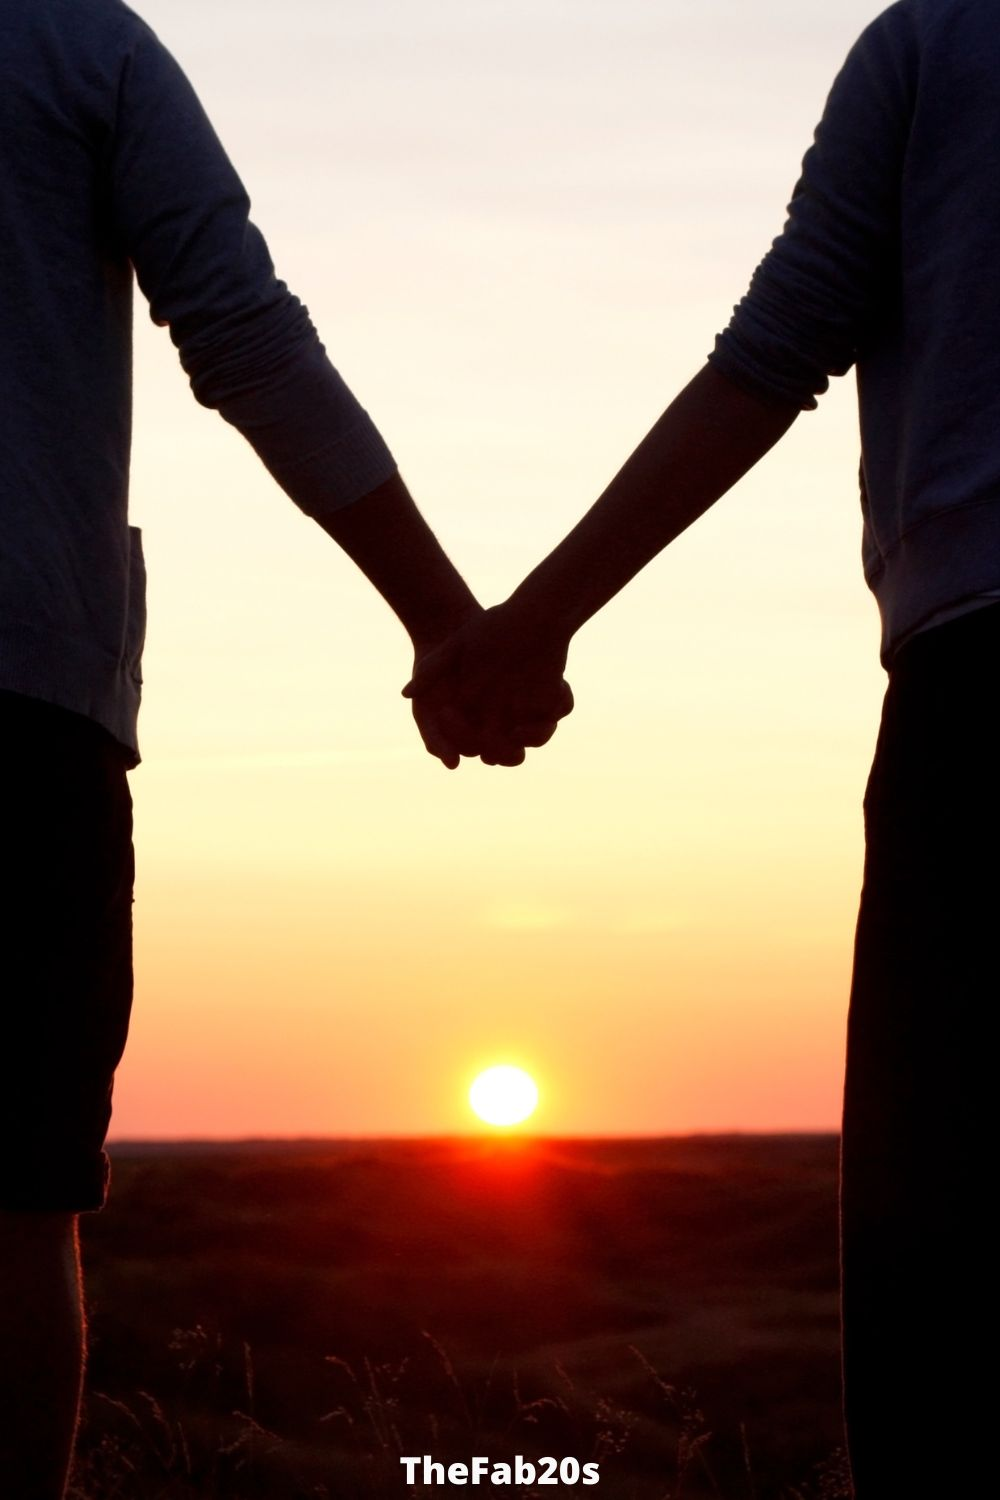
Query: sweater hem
x,y
949,558
67,672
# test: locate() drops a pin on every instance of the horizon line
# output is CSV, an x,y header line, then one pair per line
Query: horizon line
x,y
735,1132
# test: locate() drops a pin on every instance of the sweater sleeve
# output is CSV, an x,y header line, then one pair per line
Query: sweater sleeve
x,y
831,275
246,343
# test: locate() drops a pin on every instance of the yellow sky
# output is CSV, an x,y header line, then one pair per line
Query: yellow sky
x,y
518,227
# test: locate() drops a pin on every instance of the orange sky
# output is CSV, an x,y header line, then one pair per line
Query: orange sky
x,y
518,229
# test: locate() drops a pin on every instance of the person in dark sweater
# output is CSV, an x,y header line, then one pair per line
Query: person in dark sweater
x,y
889,262
108,165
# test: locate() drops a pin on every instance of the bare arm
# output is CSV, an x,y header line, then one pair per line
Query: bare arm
x,y
504,665
706,440
392,544
387,537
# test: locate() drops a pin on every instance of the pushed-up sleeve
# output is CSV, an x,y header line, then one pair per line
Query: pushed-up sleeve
x,y
832,274
246,343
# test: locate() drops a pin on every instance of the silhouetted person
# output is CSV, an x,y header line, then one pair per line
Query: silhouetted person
x,y
107,162
889,261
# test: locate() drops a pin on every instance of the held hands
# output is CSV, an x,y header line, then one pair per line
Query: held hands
x,y
492,689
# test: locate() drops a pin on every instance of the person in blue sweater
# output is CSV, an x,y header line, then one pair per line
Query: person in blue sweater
x,y
109,167
889,262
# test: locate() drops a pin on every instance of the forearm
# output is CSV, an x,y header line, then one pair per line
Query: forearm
x,y
392,544
706,440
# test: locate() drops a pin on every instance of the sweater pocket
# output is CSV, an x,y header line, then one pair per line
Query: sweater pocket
x,y
135,627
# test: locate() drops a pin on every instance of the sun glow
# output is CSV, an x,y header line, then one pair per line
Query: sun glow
x,y
503,1096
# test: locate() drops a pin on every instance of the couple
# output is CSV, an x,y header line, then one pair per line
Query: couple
x,y
889,261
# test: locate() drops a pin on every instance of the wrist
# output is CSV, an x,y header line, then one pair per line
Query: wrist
x,y
541,620
445,615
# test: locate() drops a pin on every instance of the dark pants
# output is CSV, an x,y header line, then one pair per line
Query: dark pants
x,y
66,942
918,1166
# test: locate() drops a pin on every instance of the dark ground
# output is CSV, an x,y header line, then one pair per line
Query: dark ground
x,y
284,1320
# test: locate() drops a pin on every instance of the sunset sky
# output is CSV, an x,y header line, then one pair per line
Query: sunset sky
x,y
518,225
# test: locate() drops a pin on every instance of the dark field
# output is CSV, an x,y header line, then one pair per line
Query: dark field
x,y
285,1320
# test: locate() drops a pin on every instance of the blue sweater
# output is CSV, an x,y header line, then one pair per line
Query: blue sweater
x,y
890,261
108,163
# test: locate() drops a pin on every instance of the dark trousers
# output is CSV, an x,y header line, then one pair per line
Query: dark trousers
x,y
66,873
918,1167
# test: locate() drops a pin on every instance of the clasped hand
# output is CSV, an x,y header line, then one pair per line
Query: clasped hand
x,y
492,690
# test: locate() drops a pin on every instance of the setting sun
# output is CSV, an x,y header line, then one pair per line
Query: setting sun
x,y
503,1096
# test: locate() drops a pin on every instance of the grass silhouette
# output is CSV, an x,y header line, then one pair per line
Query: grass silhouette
x,y
272,1322
143,1448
